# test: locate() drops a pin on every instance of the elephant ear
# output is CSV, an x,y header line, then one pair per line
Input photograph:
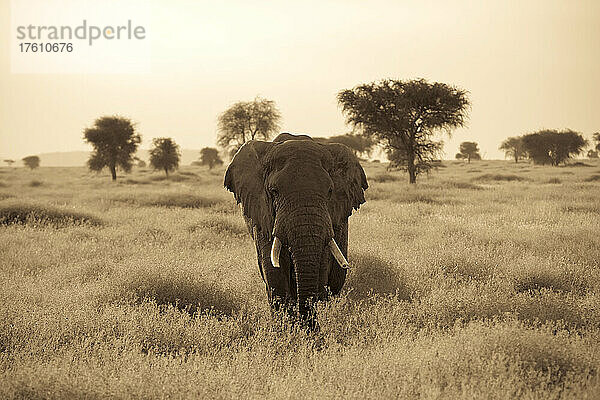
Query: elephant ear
x,y
245,178
349,182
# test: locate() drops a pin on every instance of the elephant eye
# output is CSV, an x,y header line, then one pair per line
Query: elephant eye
x,y
274,192
330,192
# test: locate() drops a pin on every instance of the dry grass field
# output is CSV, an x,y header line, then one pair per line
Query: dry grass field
x,y
482,281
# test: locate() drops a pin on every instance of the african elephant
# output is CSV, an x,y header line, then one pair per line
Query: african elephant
x,y
296,196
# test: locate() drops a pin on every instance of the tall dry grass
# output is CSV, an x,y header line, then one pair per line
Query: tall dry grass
x,y
471,284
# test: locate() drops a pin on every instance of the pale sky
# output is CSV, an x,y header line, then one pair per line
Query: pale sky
x,y
528,65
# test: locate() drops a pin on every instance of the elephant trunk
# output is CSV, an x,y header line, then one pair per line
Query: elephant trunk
x,y
308,231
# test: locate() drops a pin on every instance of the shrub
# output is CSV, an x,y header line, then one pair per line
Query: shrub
x,y
35,183
185,293
460,185
182,200
500,178
383,178
373,275
593,178
31,214
220,225
173,178
130,181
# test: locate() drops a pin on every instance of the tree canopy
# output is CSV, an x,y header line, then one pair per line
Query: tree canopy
x,y
115,141
210,156
404,116
247,120
513,148
31,162
553,147
469,150
164,154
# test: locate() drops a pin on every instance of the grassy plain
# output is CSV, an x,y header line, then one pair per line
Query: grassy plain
x,y
482,281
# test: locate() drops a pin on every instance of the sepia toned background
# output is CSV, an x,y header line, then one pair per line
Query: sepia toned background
x,y
528,65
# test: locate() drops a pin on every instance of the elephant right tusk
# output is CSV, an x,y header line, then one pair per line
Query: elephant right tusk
x,y
275,250
337,254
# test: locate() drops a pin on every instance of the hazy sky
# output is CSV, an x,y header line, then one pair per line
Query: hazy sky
x,y
527,65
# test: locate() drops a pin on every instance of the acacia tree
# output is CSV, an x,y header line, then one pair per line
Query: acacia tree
x,y
9,162
32,162
247,120
553,147
469,150
164,155
404,116
210,156
513,147
115,141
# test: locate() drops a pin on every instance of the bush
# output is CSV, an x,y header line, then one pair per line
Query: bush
x,y
130,181
593,178
500,178
187,173
220,225
185,293
172,178
460,185
181,200
30,214
383,178
371,275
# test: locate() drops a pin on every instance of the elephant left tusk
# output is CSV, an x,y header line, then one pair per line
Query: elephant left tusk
x,y
275,250
337,254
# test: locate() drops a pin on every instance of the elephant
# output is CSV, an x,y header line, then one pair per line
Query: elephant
x,y
296,195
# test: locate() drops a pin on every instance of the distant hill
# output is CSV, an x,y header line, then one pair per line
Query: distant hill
x,y
79,158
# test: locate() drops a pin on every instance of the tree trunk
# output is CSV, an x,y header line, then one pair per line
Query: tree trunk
x,y
468,159
167,172
412,175
412,168
113,172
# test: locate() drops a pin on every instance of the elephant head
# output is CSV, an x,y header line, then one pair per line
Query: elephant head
x,y
296,196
